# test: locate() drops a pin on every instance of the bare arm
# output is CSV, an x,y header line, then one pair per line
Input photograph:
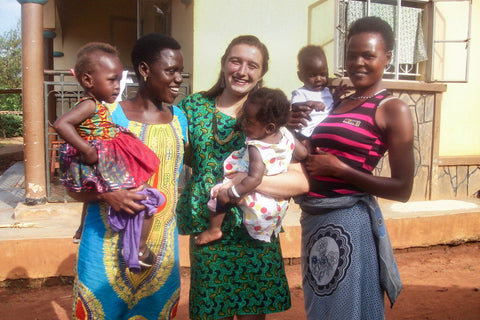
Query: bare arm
x,y
288,184
300,152
187,156
299,115
284,185
119,200
256,170
65,126
300,112
395,119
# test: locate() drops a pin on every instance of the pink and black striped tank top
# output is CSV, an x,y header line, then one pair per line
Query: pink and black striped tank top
x,y
355,139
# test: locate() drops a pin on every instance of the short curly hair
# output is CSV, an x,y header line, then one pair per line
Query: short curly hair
x,y
85,62
274,106
147,49
309,52
374,25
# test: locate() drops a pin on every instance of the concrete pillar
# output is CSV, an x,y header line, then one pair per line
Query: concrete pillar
x,y
33,102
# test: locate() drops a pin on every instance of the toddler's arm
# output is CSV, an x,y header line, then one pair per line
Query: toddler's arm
x,y
65,126
300,152
256,170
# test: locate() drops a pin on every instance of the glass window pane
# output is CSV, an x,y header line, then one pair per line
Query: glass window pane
x,y
451,33
448,12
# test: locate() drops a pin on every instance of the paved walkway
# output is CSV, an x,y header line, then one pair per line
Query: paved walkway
x,y
11,192
19,221
36,241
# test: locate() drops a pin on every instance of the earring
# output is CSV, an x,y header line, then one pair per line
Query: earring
x,y
144,78
222,81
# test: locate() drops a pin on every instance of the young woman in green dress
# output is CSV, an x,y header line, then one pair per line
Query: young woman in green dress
x,y
236,275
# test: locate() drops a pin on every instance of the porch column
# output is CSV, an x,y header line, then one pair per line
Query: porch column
x,y
33,102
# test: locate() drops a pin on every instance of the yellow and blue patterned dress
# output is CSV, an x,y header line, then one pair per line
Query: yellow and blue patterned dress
x,y
236,274
104,287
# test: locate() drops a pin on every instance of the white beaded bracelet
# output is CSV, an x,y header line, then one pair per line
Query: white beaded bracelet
x,y
235,193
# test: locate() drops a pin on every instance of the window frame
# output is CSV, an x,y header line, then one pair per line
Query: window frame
x,y
424,70
430,72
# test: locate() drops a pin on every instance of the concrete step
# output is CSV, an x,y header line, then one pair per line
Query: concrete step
x,y
36,241
39,242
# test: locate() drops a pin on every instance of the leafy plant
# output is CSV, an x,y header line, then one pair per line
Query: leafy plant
x,y
11,78
12,125
11,59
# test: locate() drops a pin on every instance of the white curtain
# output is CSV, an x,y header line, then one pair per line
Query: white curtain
x,y
410,45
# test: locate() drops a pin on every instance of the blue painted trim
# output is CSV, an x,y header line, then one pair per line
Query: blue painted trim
x,y
49,34
42,2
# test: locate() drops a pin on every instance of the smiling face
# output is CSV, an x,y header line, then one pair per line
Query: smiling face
x,y
242,69
366,60
104,82
314,73
165,75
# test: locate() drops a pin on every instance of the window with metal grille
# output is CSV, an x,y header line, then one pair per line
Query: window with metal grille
x,y
430,45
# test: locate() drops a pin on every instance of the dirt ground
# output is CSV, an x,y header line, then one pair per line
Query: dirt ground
x,y
440,283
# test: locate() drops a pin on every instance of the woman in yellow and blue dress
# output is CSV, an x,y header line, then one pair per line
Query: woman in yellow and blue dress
x,y
104,287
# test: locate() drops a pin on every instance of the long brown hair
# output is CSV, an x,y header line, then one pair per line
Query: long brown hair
x,y
251,40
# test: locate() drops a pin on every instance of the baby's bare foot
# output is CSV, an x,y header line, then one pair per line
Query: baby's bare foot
x,y
208,236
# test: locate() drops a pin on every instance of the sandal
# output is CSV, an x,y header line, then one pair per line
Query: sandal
x,y
146,258
78,235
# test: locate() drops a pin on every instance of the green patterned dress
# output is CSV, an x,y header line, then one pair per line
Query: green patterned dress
x,y
236,274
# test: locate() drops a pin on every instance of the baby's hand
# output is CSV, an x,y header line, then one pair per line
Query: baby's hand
x,y
316,105
90,157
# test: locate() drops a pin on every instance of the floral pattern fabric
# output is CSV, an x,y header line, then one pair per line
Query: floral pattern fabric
x,y
262,214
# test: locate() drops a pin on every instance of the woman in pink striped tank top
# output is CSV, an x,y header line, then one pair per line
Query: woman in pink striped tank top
x,y
347,259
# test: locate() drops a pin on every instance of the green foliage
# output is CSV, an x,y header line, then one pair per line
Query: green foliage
x,y
11,58
11,78
11,102
12,124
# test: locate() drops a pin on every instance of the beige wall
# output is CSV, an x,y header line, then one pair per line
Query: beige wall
x,y
205,27
281,24
459,129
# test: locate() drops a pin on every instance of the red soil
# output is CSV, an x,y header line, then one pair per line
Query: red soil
x,y
441,282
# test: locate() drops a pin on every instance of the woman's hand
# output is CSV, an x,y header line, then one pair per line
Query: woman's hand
x,y
125,200
90,157
315,105
339,91
323,164
299,114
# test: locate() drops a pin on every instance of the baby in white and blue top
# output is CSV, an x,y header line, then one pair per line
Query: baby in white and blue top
x,y
313,72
